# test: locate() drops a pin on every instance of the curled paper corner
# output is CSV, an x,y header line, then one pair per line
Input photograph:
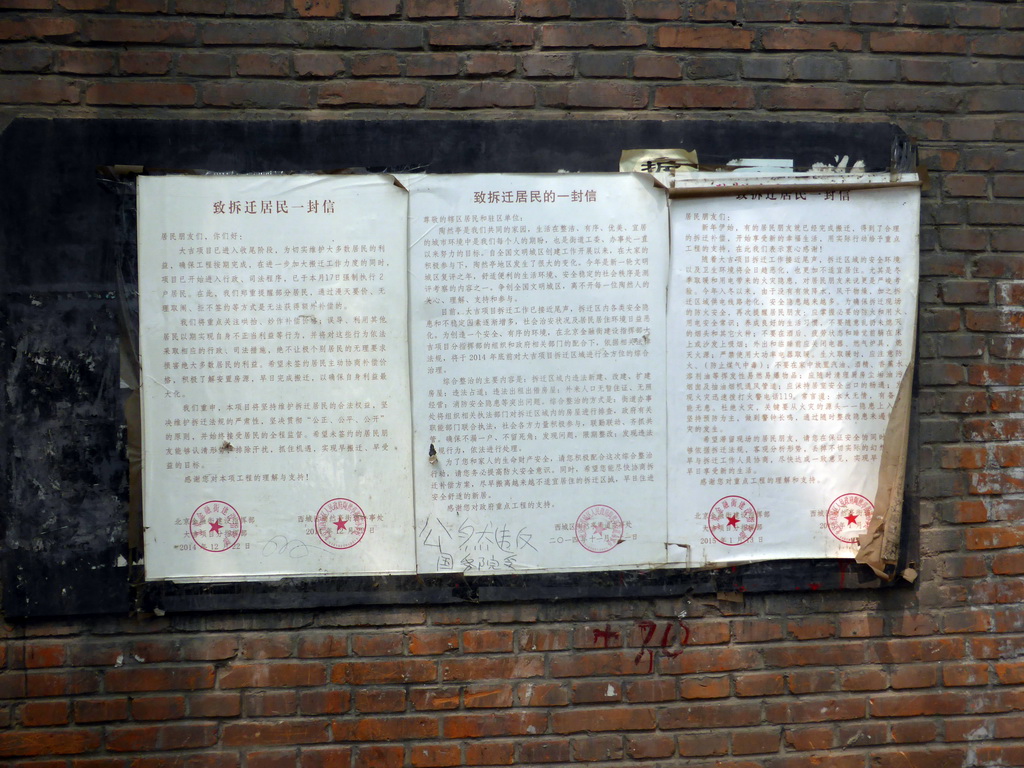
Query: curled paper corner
x,y
910,574
661,164
880,546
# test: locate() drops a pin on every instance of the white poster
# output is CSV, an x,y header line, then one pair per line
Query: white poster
x,y
791,322
537,305
275,387
492,374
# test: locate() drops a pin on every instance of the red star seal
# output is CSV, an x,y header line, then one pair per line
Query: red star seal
x,y
733,521
340,524
215,526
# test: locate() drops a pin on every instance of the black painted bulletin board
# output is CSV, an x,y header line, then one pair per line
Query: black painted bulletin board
x,y
66,275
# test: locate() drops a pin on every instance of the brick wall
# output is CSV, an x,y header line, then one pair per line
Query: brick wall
x,y
928,676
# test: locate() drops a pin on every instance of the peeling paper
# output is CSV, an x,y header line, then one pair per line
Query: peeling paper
x,y
880,546
706,184
663,164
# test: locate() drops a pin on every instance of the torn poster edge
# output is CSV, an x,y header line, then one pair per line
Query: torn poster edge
x,y
880,546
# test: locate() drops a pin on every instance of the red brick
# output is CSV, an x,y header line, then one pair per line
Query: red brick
x,y
917,41
860,626
265,94
808,739
423,9
380,700
38,28
490,64
34,714
84,62
535,751
324,702
646,746
263,65
803,681
374,8
309,64
275,733
595,35
270,704
505,724
542,694
487,641
809,710
470,34
651,690
491,8
704,97
597,95
203,63
166,736
487,695
145,62
913,731
994,537
817,39
605,719
709,715
378,645
321,9
140,94
921,758
379,757
37,90
703,744
100,710
371,94
756,742
158,708
715,38
435,755
544,9
385,728
489,753
597,748
322,645
215,705
159,678
954,675
914,676
273,675
506,668
374,65
114,30
60,742
429,643
833,98
658,10
708,660
903,705
704,688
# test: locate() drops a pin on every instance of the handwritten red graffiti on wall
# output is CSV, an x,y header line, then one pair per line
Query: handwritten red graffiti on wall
x,y
650,646
654,639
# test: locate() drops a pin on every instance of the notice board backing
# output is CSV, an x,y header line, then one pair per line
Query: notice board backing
x,y
64,513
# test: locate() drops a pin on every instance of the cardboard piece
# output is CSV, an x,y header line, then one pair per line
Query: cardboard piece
x,y
880,546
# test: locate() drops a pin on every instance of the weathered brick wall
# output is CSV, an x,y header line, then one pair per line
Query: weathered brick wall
x,y
923,676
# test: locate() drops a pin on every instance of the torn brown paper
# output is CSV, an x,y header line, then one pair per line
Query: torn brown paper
x,y
663,164
880,546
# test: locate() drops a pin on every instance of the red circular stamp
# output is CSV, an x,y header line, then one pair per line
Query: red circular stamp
x,y
599,529
340,523
848,517
732,520
215,526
